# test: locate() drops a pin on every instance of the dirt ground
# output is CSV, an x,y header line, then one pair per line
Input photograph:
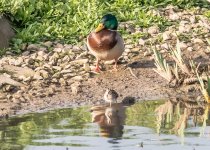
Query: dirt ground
x,y
140,82
136,79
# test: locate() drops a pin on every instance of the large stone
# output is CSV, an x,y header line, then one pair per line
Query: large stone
x,y
19,71
4,79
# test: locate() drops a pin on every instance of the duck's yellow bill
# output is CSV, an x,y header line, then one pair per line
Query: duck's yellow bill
x,y
99,28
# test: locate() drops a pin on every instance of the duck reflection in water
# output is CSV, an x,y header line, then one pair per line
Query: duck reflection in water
x,y
111,118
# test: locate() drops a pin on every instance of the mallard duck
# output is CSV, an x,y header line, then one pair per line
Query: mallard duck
x,y
110,96
105,43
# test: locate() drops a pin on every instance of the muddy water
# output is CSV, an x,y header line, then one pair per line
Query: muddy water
x,y
146,125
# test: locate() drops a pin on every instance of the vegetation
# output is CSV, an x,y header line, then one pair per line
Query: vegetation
x,y
69,21
182,71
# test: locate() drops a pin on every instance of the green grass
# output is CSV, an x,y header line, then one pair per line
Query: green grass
x,y
69,21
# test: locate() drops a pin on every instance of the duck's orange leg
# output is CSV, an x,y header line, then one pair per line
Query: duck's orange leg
x,y
97,69
115,65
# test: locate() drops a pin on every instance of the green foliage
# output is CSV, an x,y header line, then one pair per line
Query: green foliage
x,y
207,14
71,20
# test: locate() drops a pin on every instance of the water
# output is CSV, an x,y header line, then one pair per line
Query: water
x,y
147,125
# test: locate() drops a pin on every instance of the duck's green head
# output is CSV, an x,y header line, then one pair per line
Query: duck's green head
x,y
108,21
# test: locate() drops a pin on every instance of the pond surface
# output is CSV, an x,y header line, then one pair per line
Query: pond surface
x,y
147,125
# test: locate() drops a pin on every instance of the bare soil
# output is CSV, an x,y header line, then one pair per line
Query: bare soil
x,y
140,82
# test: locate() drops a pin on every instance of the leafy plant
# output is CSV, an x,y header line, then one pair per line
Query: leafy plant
x,y
177,56
163,68
69,21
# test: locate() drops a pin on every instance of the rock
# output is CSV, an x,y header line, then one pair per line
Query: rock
x,y
77,78
147,53
129,42
165,46
19,71
62,81
192,19
79,61
19,61
127,50
197,41
86,67
11,61
135,49
47,66
128,46
68,75
59,45
75,88
39,58
184,28
166,35
34,55
58,50
26,53
54,80
141,42
76,48
110,62
190,49
66,71
51,91
57,68
173,16
131,29
7,80
25,79
207,50
84,54
182,45
2,96
37,76
41,53
153,30
56,75
66,58
67,47
43,49
44,74
32,47
29,61
54,57
48,44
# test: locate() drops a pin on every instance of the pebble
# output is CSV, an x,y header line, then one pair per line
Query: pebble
x,y
37,76
153,30
128,46
141,42
77,78
147,53
32,47
183,45
48,44
190,49
80,61
174,16
75,88
166,35
197,40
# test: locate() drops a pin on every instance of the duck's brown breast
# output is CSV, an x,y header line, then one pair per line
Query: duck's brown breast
x,y
103,40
